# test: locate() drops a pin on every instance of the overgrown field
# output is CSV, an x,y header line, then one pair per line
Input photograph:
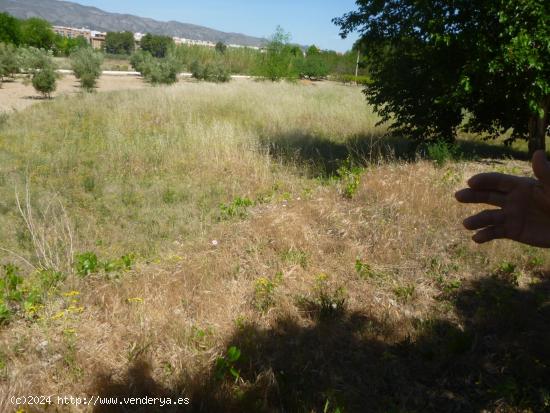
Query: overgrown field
x,y
255,247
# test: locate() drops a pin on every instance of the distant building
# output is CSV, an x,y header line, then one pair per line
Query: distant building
x,y
98,39
95,38
72,32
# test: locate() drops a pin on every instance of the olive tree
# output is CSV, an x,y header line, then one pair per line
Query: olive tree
x,y
86,65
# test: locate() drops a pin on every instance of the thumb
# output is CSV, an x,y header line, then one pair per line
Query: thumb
x,y
541,167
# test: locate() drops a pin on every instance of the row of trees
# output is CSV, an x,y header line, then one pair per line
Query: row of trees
x,y
36,32
123,43
159,60
281,59
38,66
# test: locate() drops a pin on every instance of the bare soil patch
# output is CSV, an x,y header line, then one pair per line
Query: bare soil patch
x,y
15,95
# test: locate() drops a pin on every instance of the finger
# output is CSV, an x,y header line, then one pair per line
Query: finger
x,y
493,181
470,196
489,234
541,167
484,219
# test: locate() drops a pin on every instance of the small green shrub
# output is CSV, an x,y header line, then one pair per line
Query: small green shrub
x,y
10,282
441,152
49,279
364,270
508,272
24,295
88,183
295,257
236,208
5,313
326,301
226,365
264,291
123,263
169,196
404,292
86,264
350,177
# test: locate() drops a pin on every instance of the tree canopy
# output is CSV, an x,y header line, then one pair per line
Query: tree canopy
x,y
10,29
119,42
157,45
36,32
441,65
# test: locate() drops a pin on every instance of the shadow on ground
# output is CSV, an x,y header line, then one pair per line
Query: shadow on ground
x,y
323,156
494,357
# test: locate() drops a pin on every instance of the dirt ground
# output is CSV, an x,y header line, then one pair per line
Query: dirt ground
x,y
14,95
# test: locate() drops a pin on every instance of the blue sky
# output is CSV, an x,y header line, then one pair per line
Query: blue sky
x,y
309,21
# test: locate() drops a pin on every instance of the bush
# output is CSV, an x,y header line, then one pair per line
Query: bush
x,y
312,67
163,71
156,71
86,264
211,72
9,62
360,80
140,61
86,64
45,81
440,152
39,66
158,46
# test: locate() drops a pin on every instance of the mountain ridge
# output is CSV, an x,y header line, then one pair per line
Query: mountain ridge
x,y
67,13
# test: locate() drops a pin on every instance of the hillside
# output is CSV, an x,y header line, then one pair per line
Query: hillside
x,y
66,13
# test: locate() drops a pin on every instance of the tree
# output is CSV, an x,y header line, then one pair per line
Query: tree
x,y
36,32
221,47
119,42
9,61
434,65
313,51
164,71
211,72
86,65
313,67
276,62
64,46
10,29
45,82
141,61
158,46
40,68
156,71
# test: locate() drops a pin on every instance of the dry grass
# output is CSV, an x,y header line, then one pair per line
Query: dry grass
x,y
380,300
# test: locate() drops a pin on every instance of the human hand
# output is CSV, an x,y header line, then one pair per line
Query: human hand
x,y
524,203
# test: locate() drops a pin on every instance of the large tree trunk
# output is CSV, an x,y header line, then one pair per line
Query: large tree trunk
x,y
538,127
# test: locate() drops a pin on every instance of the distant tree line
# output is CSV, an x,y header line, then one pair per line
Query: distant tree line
x,y
38,33
159,59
